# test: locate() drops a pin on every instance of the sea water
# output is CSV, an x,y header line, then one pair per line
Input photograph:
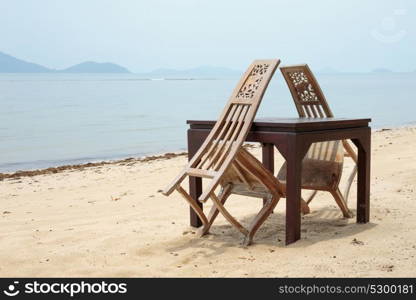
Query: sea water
x,y
56,119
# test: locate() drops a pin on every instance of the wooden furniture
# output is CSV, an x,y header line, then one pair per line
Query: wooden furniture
x,y
323,163
222,159
293,137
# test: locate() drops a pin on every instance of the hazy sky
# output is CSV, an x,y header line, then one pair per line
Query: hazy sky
x,y
353,35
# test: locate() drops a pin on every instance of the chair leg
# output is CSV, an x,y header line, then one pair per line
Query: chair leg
x,y
304,207
227,215
311,196
341,203
193,204
266,210
349,183
223,196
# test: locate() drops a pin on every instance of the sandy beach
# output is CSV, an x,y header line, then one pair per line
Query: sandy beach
x,y
112,220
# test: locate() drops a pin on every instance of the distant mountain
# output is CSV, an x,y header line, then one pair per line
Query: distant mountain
x,y
94,67
194,73
10,64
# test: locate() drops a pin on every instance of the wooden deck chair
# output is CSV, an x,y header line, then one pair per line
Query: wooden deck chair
x,y
223,160
323,163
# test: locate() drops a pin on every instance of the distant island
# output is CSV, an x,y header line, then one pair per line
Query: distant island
x,y
381,70
10,64
94,67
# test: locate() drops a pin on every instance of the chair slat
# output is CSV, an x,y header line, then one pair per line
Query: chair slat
x,y
227,137
240,174
320,112
312,108
233,124
228,122
232,141
309,112
201,173
242,101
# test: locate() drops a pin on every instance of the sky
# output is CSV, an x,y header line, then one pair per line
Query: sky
x,y
349,36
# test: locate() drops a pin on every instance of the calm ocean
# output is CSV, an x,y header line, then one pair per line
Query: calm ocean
x,y
55,119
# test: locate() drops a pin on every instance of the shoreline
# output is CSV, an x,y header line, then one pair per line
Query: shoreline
x,y
167,155
82,166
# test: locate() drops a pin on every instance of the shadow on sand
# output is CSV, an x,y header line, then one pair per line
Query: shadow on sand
x,y
321,225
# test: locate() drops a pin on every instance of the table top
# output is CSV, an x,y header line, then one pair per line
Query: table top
x,y
292,124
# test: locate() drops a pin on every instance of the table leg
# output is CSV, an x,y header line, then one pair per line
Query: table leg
x,y
195,140
363,178
296,151
268,159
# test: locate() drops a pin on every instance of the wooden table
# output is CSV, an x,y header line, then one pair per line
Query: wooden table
x,y
292,137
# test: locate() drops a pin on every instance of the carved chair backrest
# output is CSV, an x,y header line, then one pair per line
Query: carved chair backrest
x,y
235,121
309,100
311,103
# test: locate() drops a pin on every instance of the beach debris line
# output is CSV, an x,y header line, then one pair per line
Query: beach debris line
x,y
53,170
127,161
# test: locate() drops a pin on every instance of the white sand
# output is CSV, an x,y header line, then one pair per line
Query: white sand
x,y
111,221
